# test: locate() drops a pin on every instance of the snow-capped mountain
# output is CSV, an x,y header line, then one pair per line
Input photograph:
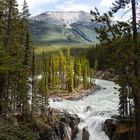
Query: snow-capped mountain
x,y
63,18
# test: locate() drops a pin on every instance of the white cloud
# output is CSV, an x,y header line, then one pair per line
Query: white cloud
x,y
37,2
71,5
120,18
35,5
106,3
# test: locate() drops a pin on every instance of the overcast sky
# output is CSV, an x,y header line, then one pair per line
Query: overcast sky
x,y
39,6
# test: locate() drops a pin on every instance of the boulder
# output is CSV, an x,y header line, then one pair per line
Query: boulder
x,y
72,120
109,127
117,130
88,108
68,133
49,134
85,134
64,129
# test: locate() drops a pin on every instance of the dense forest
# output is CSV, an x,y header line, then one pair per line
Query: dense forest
x,y
22,92
28,79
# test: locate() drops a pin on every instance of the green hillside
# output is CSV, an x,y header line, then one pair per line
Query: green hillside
x,y
46,35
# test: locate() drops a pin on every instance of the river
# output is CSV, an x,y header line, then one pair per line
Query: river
x,y
94,109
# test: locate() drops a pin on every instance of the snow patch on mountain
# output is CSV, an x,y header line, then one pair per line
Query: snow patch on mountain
x,y
63,18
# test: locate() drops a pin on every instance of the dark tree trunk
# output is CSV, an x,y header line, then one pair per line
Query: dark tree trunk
x,y
134,23
137,98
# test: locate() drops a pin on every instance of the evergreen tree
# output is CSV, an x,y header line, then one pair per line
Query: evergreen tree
x,y
69,72
85,73
45,81
50,72
14,82
62,68
4,70
77,72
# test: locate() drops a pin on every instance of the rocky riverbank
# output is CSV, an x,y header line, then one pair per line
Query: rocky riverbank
x,y
50,125
107,74
76,95
64,129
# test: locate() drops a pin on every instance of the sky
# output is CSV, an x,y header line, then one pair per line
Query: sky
x,y
39,6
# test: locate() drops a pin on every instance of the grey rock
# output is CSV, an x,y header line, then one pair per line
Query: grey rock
x,y
85,135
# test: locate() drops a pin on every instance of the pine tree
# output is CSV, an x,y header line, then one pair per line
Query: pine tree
x,y
62,67
50,72
85,73
4,70
25,26
1,19
69,72
14,82
45,81
11,19
56,72
10,32
77,72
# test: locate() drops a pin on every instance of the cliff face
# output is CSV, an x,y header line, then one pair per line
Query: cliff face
x,y
64,129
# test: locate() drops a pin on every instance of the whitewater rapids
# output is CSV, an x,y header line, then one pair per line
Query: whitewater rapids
x,y
102,105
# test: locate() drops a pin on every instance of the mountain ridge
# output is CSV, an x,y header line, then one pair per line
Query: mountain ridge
x,y
67,28
63,17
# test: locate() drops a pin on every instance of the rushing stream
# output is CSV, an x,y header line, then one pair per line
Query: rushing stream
x,y
94,109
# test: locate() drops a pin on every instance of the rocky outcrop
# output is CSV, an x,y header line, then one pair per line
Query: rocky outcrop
x,y
64,129
85,134
117,130
110,127
107,74
88,108
72,121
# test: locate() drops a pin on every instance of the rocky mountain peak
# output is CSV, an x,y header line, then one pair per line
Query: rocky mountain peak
x,y
63,17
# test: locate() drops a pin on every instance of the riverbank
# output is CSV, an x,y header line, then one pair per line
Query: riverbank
x,y
50,125
107,74
76,95
80,93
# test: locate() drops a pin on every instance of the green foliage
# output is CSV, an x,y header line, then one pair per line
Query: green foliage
x,y
98,54
9,131
4,61
47,34
120,4
64,72
14,58
122,39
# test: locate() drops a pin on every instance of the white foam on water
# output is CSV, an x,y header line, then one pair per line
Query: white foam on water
x,y
103,104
